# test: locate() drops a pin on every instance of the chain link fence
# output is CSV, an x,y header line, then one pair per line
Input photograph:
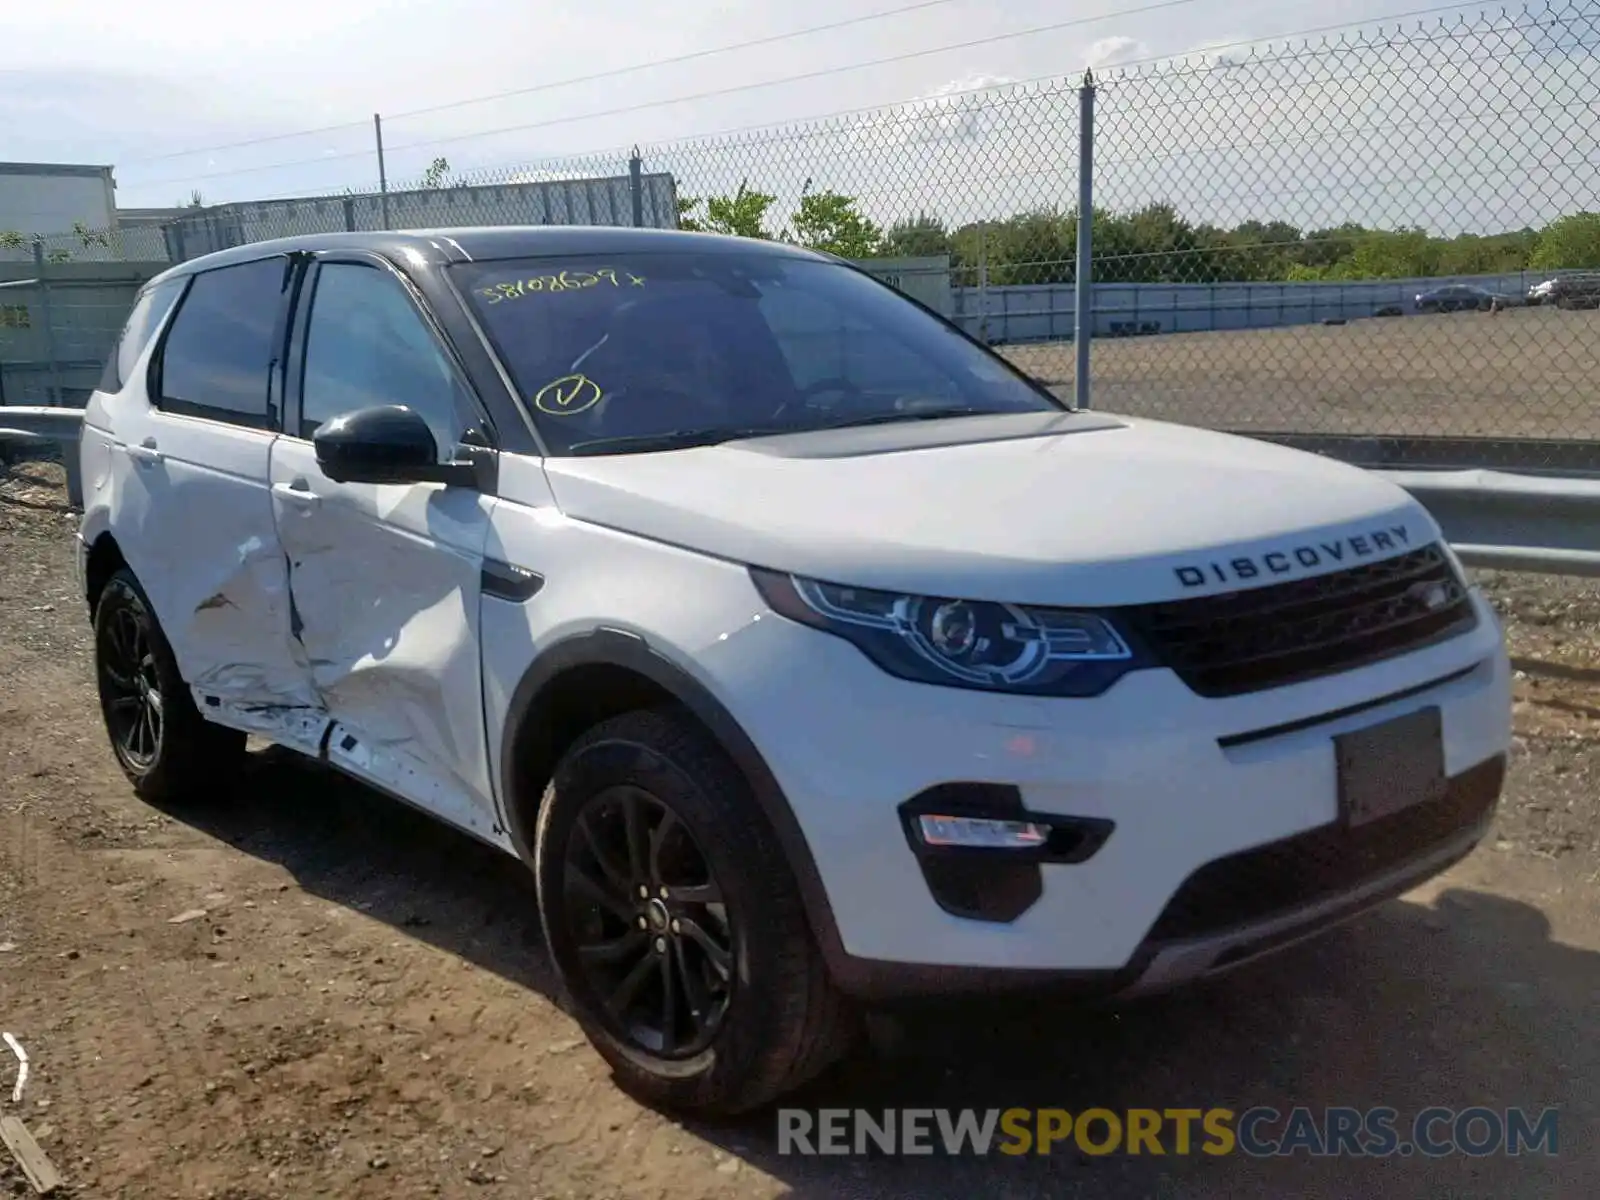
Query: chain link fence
x,y
1356,236
57,325
1393,234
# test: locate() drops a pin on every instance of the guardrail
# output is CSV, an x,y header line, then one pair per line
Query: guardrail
x,y
60,425
1511,522
1496,519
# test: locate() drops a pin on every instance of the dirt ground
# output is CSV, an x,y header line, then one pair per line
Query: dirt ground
x,y
1527,372
300,989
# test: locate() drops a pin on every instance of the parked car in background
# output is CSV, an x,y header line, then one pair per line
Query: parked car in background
x,y
1581,290
1454,297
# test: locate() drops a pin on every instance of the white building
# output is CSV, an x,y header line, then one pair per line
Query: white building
x,y
51,198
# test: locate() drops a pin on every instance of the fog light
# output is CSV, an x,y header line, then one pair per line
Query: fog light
x,y
982,832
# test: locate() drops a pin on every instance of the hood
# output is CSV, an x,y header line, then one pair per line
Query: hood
x,y
1048,509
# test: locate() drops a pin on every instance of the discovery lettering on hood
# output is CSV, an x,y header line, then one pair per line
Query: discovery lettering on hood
x,y
1244,568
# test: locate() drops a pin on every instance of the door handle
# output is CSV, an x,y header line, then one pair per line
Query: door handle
x,y
297,494
146,452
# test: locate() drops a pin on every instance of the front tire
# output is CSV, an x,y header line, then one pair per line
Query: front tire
x,y
162,743
676,924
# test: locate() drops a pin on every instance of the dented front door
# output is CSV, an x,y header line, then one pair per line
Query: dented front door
x,y
385,578
385,581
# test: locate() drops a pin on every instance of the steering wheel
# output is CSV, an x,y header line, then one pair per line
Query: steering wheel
x,y
620,414
833,383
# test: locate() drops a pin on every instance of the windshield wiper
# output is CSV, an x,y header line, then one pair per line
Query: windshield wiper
x,y
927,414
674,439
682,439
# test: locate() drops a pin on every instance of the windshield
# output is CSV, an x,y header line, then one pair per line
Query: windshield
x,y
657,351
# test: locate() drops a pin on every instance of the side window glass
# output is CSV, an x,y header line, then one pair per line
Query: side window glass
x,y
149,310
367,344
216,357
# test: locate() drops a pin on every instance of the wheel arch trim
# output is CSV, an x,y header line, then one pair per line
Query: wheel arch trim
x,y
629,651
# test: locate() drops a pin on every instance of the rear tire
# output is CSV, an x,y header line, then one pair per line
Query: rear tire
x,y
707,912
162,743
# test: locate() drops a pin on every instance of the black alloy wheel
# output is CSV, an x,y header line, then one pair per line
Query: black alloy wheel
x,y
162,743
651,929
130,688
675,922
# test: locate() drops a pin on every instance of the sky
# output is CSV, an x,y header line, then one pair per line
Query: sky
x,y
164,90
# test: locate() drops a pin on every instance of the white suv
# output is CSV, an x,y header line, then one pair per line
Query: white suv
x,y
808,653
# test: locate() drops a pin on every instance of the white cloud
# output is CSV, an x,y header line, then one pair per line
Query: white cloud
x,y
1390,131
964,148
952,112
1110,51
1224,53
1396,134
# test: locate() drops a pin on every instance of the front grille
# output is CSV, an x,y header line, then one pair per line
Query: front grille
x,y
1267,637
1261,883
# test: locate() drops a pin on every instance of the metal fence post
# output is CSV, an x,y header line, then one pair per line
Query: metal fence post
x,y
49,323
636,187
383,173
983,280
1083,292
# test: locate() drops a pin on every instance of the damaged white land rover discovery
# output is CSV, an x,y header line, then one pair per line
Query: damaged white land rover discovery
x,y
807,652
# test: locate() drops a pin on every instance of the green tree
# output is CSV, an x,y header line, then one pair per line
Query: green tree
x,y
1152,243
923,236
1031,247
742,214
1254,250
686,220
1567,243
437,174
1300,273
10,239
89,237
1322,248
1163,247
830,222
1487,254
1389,254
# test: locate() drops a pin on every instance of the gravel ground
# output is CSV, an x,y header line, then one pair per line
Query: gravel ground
x,y
1521,373
301,989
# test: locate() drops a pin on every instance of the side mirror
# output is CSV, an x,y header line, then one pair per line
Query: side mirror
x,y
387,443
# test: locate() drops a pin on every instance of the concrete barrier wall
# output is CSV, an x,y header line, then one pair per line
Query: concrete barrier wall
x,y
54,339
1045,313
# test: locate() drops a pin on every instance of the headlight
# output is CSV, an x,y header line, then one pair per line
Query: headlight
x,y
961,643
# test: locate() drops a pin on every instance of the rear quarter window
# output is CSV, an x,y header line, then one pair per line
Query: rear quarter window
x,y
150,309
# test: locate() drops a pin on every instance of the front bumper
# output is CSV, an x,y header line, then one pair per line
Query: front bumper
x,y
1345,878
1225,844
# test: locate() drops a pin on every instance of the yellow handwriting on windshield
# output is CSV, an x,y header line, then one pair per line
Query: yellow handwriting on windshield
x,y
568,396
566,281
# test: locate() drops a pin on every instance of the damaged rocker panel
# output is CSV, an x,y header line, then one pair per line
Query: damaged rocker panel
x,y
301,726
